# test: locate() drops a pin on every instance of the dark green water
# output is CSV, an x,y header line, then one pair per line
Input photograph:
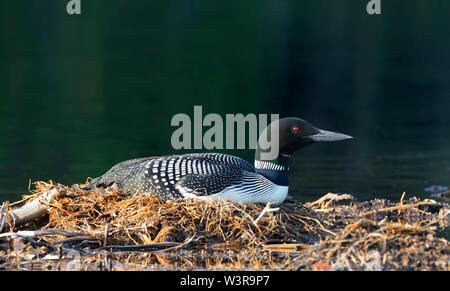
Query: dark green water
x,y
81,93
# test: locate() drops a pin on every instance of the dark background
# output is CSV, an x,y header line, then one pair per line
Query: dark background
x,y
81,93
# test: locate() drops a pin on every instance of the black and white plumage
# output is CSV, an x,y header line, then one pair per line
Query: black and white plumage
x,y
195,174
214,175
207,176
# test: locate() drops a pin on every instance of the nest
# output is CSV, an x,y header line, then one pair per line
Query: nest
x,y
108,229
380,235
149,219
376,246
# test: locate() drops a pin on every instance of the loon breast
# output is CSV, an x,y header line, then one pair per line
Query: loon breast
x,y
263,192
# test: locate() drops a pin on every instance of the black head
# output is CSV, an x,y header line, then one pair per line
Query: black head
x,y
295,133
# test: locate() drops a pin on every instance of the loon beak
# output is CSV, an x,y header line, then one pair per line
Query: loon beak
x,y
325,135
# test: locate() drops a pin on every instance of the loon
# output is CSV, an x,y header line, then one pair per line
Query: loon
x,y
219,176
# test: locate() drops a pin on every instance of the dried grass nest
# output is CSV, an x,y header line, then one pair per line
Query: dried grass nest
x,y
332,233
148,218
376,246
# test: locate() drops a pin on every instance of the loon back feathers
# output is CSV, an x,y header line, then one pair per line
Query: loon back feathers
x,y
177,175
126,175
195,174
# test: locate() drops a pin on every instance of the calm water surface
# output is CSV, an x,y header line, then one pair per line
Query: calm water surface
x,y
388,168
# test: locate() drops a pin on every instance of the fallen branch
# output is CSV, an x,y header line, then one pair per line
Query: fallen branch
x,y
53,232
30,211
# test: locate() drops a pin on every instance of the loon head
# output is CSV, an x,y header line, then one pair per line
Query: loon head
x,y
294,134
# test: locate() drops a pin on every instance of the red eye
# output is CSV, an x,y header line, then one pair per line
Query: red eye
x,y
295,129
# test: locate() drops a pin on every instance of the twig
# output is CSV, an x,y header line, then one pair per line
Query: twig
x,y
264,211
140,248
401,203
398,207
32,210
324,201
105,240
26,233
286,247
182,245
54,231
401,199
2,216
